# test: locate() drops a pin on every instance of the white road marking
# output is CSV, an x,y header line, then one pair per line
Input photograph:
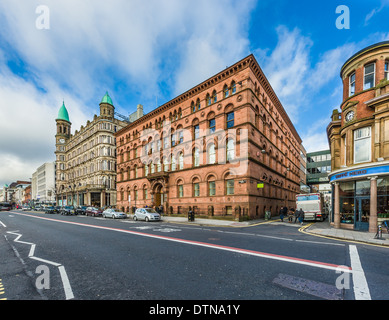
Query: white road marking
x,y
3,224
61,268
361,288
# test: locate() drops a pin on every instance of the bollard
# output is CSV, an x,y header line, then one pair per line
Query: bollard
x,y
379,232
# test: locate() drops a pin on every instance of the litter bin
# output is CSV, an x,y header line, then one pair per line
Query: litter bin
x,y
191,216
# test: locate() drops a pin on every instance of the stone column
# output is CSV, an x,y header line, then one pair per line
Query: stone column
x,y
336,207
373,205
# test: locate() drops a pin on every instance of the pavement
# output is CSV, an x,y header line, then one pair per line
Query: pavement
x,y
320,229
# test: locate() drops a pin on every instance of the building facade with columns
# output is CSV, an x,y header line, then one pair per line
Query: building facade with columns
x,y
359,142
86,160
226,147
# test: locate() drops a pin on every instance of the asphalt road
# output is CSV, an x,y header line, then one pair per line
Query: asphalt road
x,y
54,257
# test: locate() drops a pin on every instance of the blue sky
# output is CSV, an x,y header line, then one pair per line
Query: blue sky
x,y
148,52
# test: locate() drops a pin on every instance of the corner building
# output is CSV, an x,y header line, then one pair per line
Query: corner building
x,y
86,160
226,147
359,142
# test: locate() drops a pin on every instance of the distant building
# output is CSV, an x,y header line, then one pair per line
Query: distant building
x,y
359,141
318,168
43,183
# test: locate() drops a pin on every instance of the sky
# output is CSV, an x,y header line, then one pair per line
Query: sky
x,y
149,52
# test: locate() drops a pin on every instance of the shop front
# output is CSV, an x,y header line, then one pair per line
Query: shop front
x,y
361,197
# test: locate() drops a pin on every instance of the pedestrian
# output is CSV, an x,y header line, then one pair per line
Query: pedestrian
x,y
301,216
282,214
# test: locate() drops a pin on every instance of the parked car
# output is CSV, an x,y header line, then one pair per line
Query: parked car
x,y
26,208
81,210
5,207
114,214
49,209
38,208
68,210
94,212
147,214
58,209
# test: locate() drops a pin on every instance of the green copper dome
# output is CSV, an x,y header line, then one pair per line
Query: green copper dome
x,y
107,99
63,113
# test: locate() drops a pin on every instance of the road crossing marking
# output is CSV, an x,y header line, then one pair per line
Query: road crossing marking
x,y
361,288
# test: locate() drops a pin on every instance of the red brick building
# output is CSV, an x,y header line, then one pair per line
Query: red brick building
x,y
225,147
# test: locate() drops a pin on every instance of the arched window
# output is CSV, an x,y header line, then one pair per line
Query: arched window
x,y
229,183
196,157
209,100
214,97
196,187
146,170
166,164
159,166
181,161
145,193
230,154
211,154
136,171
233,87
173,162
226,91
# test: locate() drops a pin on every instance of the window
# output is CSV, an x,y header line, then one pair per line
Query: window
x,y
196,189
362,145
211,154
214,97
181,161
196,131
209,100
226,92
211,188
368,81
230,120
136,193
136,172
180,191
230,186
352,85
173,160
230,154
146,170
233,87
181,136
145,193
212,126
159,166
196,157
387,70
165,164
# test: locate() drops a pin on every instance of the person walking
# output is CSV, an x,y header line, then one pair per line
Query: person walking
x,y
301,216
282,214
296,215
290,215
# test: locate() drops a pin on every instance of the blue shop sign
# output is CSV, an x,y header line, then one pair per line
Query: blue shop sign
x,y
360,172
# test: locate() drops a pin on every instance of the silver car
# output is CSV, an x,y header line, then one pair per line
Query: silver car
x,y
147,214
114,214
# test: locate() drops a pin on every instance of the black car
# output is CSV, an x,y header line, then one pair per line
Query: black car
x,y
81,210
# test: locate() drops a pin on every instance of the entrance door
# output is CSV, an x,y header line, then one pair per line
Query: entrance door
x,y
362,213
158,196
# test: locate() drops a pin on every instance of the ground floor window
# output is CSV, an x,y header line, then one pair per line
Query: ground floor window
x,y
383,197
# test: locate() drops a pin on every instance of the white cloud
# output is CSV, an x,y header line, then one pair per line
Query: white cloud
x,y
121,46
